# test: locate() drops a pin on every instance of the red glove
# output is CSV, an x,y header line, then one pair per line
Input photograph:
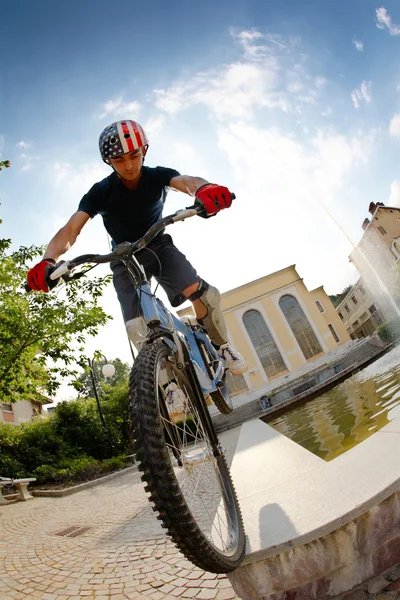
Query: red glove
x,y
213,198
37,276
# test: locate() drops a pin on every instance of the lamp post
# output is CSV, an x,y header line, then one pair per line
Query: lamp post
x,y
108,370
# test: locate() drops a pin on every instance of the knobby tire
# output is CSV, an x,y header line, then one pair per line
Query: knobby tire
x,y
160,466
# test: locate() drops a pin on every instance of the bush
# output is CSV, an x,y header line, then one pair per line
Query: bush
x,y
70,444
385,333
80,469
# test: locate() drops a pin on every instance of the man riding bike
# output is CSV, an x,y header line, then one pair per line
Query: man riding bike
x,y
130,200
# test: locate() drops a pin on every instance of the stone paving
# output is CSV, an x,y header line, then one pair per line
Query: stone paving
x,y
122,554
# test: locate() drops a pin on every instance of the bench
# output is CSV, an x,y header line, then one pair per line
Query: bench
x,y
20,484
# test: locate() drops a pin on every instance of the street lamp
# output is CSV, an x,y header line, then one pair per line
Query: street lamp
x,y
108,370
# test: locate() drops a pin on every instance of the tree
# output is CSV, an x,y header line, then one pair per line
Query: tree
x,y
337,298
83,383
36,327
4,163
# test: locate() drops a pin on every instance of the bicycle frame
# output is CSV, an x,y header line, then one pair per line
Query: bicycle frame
x,y
162,323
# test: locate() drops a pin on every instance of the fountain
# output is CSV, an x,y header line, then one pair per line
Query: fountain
x,y
319,528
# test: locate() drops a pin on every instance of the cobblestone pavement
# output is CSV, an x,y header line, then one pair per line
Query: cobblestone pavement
x,y
122,554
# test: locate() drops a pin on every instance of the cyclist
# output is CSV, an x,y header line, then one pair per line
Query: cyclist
x,y
130,200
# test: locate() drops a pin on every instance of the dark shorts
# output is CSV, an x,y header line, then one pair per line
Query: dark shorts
x,y
172,270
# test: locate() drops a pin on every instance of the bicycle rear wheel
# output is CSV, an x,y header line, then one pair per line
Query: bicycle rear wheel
x,y
191,489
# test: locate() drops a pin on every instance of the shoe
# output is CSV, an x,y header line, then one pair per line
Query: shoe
x,y
176,400
233,359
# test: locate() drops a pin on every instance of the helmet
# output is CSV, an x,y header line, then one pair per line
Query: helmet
x,y
121,137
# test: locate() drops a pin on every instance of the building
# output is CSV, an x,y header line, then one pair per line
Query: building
x,y
375,297
279,326
376,258
359,312
22,411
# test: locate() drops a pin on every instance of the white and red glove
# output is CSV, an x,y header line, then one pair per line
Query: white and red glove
x,y
38,276
213,198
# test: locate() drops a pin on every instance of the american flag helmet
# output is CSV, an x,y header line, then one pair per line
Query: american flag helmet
x,y
121,137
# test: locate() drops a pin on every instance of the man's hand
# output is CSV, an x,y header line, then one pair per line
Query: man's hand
x,y
212,198
38,276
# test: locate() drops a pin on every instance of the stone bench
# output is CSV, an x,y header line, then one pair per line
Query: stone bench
x,y
20,484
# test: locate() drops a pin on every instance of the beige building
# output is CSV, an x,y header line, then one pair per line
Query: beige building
x,y
279,326
22,411
382,232
359,312
376,258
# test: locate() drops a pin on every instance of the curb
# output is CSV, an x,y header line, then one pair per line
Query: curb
x,y
82,486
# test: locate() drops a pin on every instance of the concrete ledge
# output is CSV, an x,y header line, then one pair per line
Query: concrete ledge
x,y
330,565
315,529
82,486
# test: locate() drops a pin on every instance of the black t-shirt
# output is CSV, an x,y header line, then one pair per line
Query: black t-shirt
x,y
128,214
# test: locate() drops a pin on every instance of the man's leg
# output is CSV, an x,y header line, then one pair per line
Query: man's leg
x,y
180,280
128,299
206,301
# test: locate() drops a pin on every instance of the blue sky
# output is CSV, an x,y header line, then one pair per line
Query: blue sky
x,y
295,105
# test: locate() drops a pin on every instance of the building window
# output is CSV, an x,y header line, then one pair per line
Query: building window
x,y
333,332
354,299
381,230
340,315
318,303
372,308
355,323
346,308
7,408
263,342
300,326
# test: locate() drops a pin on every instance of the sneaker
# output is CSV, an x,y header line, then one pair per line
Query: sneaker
x,y
176,401
233,359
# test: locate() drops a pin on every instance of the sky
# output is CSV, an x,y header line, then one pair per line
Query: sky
x,y
294,105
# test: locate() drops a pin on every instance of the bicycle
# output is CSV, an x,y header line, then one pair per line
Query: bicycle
x,y
176,446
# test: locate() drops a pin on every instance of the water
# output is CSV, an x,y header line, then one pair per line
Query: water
x,y
348,414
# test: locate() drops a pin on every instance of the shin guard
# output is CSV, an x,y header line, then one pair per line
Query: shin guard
x,y
213,322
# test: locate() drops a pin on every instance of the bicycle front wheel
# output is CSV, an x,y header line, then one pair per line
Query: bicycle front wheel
x,y
191,489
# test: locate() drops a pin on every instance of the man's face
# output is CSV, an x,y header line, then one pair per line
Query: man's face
x,y
129,165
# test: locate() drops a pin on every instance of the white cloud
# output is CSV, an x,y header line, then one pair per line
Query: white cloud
x,y
23,145
27,161
119,108
358,44
258,46
394,198
394,127
320,82
76,181
154,124
270,75
233,92
361,93
384,21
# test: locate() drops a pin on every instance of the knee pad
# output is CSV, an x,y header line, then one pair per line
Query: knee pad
x,y
137,331
213,322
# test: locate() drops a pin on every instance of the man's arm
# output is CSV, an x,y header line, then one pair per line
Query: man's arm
x,y
187,184
210,196
66,237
